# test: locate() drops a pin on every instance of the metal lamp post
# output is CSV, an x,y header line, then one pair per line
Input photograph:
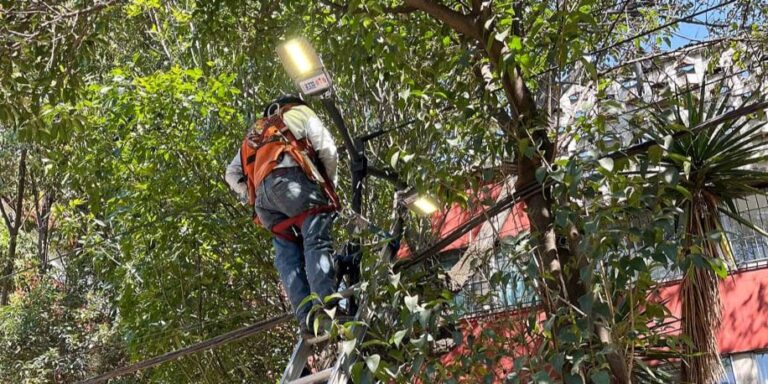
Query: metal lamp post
x,y
306,69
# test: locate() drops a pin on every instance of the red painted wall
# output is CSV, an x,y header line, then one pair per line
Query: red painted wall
x,y
744,295
745,310
745,323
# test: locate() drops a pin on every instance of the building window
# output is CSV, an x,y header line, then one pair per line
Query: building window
x,y
761,361
749,247
685,69
496,286
728,376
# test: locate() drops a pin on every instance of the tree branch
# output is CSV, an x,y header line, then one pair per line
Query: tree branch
x,y
20,190
5,215
344,8
459,22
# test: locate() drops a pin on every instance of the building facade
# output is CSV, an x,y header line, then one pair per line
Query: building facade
x,y
743,338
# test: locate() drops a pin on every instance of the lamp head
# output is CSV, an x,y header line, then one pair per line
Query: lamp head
x,y
421,204
299,57
304,66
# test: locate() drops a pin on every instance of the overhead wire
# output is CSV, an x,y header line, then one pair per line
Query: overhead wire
x,y
418,258
640,35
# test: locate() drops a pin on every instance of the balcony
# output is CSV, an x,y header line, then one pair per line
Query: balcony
x,y
750,248
496,286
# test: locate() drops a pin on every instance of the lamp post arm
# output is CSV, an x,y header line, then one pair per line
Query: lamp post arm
x,y
338,120
381,131
388,175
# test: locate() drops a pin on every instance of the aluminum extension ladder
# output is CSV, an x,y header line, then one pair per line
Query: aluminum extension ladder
x,y
339,372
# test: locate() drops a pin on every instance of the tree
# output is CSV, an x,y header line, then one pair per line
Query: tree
x,y
131,109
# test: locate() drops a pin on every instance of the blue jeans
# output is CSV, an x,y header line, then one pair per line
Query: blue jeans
x,y
305,267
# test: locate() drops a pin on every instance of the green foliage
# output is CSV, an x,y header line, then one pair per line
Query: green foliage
x,y
48,335
131,110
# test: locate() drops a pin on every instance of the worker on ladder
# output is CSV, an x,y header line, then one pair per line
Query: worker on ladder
x,y
286,168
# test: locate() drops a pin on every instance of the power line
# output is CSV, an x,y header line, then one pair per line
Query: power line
x,y
640,35
226,338
477,219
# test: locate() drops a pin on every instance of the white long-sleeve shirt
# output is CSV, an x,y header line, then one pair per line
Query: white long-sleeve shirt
x,y
303,122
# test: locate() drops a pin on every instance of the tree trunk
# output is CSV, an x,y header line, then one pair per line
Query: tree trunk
x,y
527,124
42,215
13,231
8,269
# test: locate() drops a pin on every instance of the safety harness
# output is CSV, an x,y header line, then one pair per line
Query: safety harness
x,y
262,150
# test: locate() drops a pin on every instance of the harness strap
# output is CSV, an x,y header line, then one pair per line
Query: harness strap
x,y
283,229
306,156
325,182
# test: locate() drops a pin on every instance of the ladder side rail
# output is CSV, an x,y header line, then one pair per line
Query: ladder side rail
x,y
344,362
295,366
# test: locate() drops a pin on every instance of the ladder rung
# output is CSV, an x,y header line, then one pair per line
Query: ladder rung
x,y
318,339
323,375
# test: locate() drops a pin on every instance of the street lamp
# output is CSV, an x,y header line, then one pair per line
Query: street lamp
x,y
304,66
306,69
421,204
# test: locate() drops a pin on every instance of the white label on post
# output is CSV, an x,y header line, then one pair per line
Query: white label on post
x,y
315,84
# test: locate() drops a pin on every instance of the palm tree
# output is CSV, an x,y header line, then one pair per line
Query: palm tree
x,y
715,165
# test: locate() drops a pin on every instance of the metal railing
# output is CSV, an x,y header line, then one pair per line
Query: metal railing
x,y
496,286
750,248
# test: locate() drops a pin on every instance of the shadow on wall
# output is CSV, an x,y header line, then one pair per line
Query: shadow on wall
x,y
745,310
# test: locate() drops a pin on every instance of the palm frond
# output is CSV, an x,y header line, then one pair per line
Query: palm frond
x,y
717,166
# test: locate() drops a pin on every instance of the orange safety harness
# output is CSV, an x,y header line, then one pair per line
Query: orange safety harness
x,y
262,150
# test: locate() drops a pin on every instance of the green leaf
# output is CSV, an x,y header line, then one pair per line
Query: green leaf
x,y
372,362
332,297
516,44
412,303
394,158
606,163
398,337
357,372
655,153
600,377
348,346
501,36
590,69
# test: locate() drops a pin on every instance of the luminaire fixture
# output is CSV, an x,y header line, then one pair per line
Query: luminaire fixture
x,y
304,66
421,204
